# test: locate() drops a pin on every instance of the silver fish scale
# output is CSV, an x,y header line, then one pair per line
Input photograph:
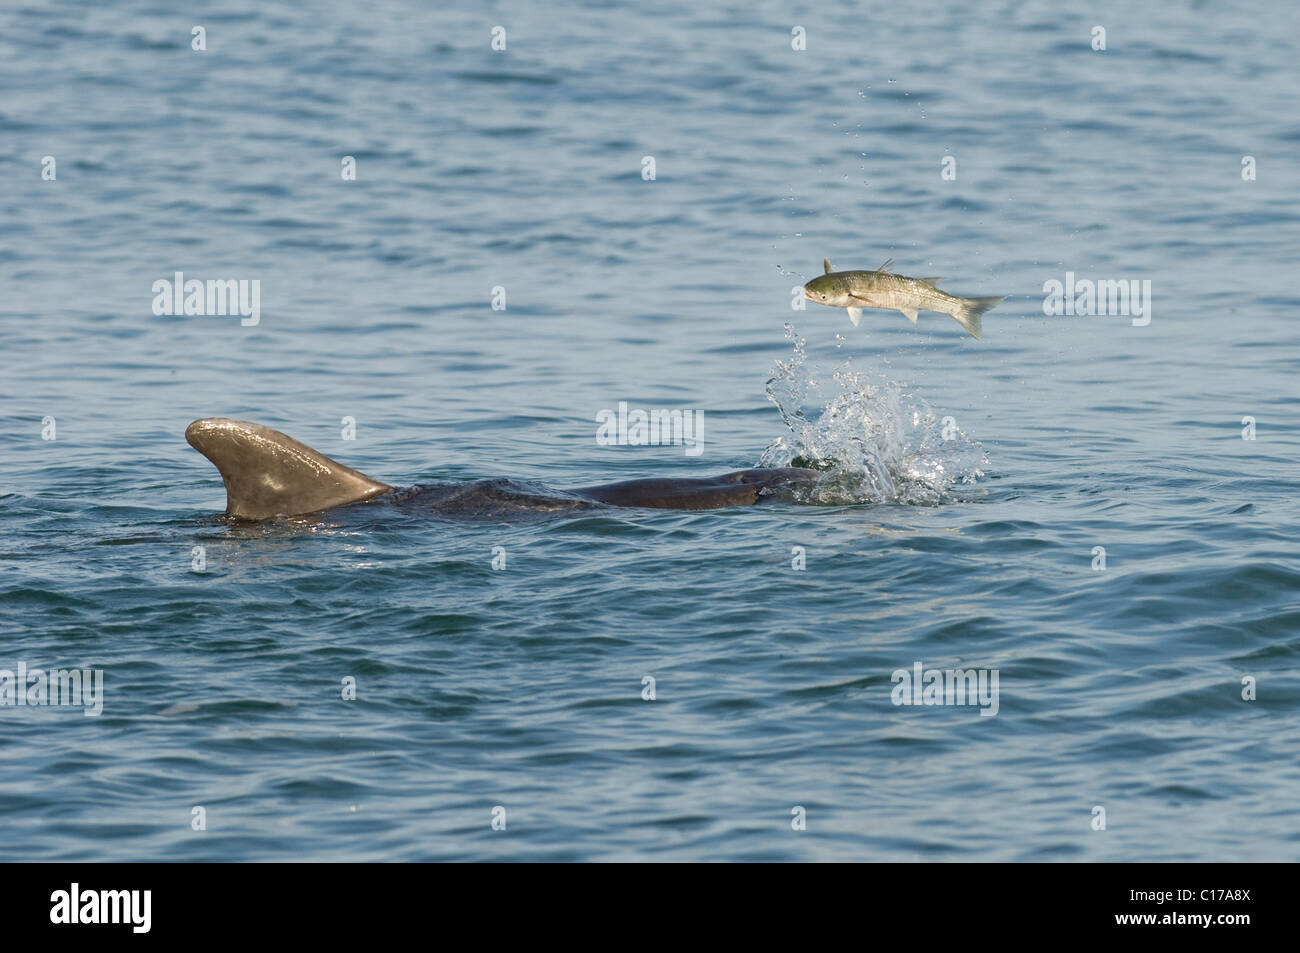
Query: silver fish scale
x,y
902,293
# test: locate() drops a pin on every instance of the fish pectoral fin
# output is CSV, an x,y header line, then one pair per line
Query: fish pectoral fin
x,y
826,263
910,315
855,315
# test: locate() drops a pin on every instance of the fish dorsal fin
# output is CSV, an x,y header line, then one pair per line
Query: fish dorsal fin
x,y
932,282
270,474
885,266
826,263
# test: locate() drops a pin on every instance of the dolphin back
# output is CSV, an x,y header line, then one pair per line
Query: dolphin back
x,y
268,473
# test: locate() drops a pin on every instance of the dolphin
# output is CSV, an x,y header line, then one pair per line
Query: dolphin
x,y
269,474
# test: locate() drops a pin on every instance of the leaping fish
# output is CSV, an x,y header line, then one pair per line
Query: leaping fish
x,y
855,290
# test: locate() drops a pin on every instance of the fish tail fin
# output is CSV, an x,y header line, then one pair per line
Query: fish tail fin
x,y
968,316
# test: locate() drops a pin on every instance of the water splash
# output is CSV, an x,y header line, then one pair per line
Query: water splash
x,y
877,442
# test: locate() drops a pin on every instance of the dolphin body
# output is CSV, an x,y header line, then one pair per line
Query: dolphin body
x,y
269,474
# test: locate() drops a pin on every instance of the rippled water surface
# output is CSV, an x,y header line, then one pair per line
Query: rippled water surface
x,y
969,483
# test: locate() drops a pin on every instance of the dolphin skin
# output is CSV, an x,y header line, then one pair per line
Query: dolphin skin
x,y
855,290
268,474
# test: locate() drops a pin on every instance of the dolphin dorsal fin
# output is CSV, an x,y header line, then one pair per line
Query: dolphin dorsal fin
x,y
826,263
270,474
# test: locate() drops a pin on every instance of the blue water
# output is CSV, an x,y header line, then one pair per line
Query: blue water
x,y
961,543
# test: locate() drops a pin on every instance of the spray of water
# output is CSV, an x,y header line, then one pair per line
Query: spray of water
x,y
876,442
